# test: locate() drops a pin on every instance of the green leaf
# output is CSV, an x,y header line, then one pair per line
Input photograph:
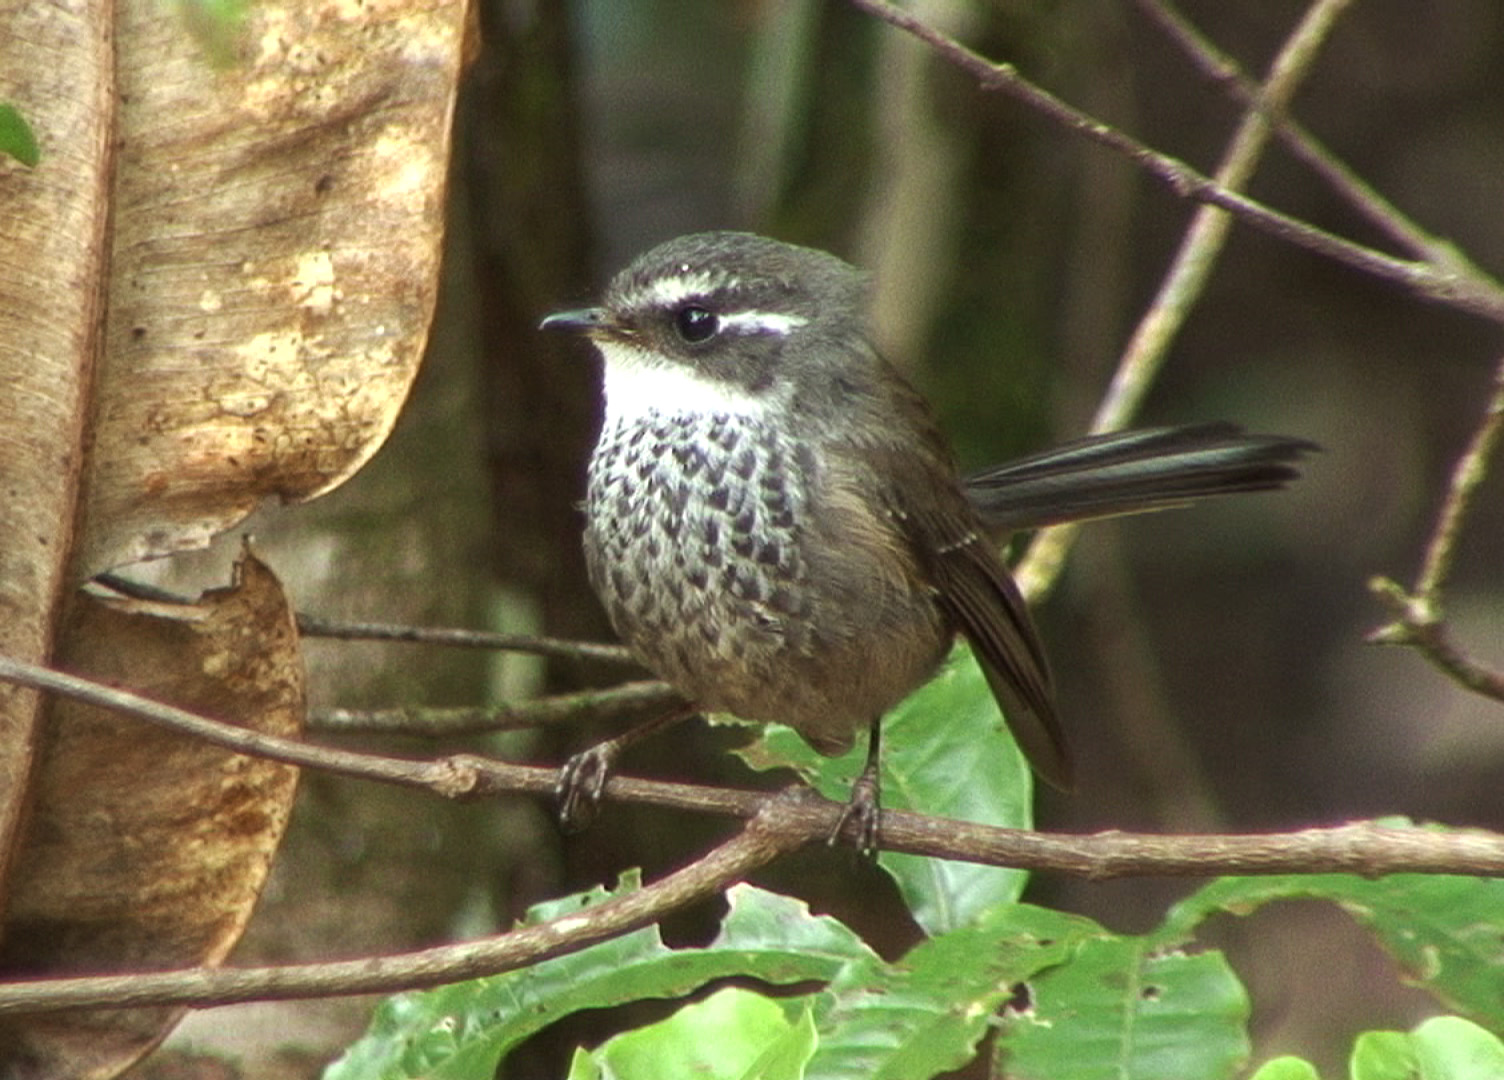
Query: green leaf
x,y
16,137
583,1066
724,1037
461,1031
1383,1055
1286,1068
1451,1048
786,1058
946,751
925,1014
1442,1048
1123,1011
1445,931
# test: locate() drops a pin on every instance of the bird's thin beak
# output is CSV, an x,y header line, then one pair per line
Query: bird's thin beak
x,y
582,320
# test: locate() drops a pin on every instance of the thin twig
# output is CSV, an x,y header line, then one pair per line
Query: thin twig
x,y
1190,270
1433,640
1204,240
1418,619
1444,285
1360,849
315,626
1467,474
1224,71
627,700
318,626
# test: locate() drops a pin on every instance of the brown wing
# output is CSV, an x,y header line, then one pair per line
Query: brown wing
x,y
978,595
972,586
888,427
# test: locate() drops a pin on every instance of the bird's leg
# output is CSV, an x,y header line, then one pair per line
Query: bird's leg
x,y
583,777
864,807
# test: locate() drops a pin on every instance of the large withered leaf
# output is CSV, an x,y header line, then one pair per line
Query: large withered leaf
x,y
146,849
214,287
55,69
273,262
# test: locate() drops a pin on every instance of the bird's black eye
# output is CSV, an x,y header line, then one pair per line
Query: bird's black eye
x,y
695,324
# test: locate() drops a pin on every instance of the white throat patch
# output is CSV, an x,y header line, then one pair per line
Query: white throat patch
x,y
639,384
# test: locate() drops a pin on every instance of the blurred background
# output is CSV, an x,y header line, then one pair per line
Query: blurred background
x,y
1212,666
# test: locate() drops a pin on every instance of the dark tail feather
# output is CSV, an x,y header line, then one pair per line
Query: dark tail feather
x,y
1131,472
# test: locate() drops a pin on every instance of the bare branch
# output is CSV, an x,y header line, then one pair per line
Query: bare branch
x,y
458,776
783,823
317,626
314,626
763,839
1204,240
1224,71
1418,612
1467,474
1368,850
631,700
1186,279
1359,848
1417,625
1442,284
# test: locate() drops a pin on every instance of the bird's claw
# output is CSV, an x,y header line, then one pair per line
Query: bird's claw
x,y
861,819
581,781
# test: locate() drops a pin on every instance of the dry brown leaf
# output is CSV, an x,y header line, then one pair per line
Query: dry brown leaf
x,y
54,68
214,288
273,263
146,849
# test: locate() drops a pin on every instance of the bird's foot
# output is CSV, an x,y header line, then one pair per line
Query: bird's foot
x,y
583,778
581,781
861,820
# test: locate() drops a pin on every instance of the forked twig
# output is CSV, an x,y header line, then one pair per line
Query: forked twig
x,y
1418,619
1190,270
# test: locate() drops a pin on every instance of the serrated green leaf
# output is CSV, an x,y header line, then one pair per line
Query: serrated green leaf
x,y
1451,1048
461,1031
1286,1068
1383,1055
1445,931
17,138
925,1014
946,751
1121,1011
719,1038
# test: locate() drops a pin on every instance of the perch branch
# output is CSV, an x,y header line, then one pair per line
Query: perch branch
x,y
1358,848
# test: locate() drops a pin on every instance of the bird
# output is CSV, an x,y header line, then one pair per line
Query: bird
x,y
776,526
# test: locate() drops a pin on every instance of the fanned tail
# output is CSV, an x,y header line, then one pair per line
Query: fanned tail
x,y
1131,472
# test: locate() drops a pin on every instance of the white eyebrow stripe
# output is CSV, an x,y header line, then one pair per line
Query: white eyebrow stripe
x,y
671,291
762,322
